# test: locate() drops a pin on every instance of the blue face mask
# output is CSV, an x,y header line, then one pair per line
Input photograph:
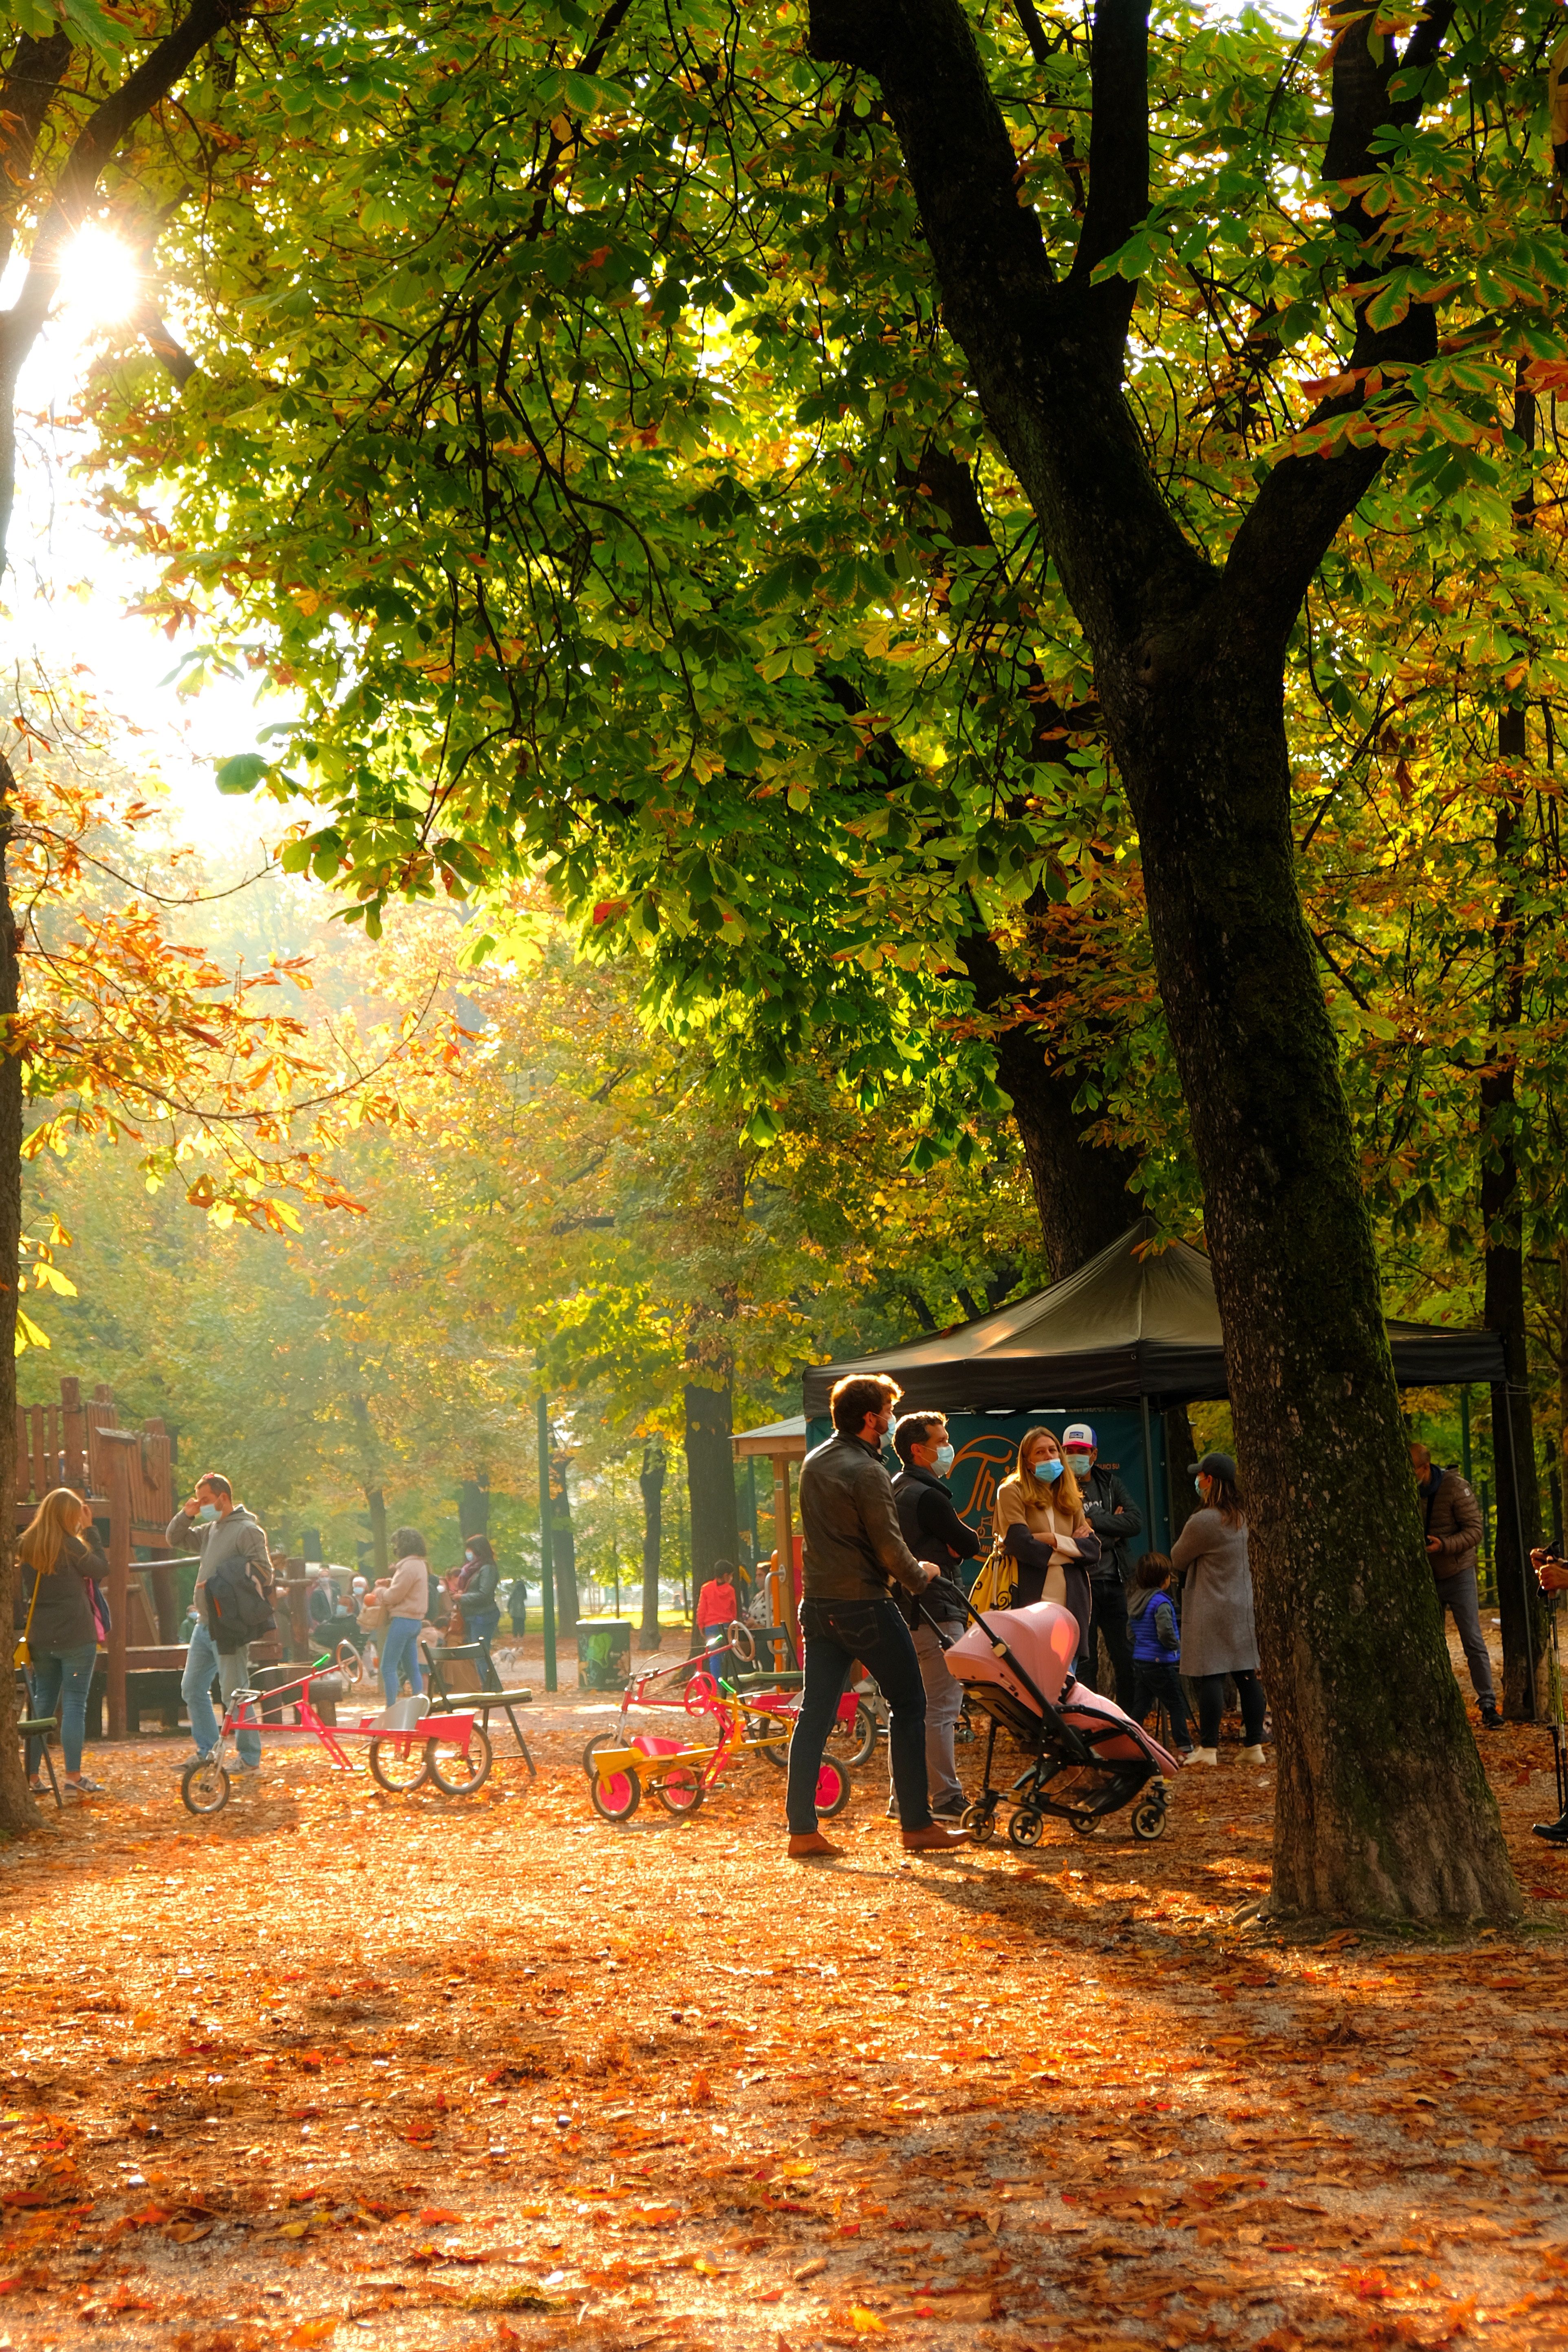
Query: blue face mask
x,y
208,1511
944,1459
1197,1486
1050,1471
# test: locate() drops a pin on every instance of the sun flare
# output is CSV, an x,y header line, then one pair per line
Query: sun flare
x,y
98,277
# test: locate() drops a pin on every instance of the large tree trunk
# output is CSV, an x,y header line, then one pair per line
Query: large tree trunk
x,y
651,1480
16,1810
1383,1806
711,1481
1526,1635
474,1505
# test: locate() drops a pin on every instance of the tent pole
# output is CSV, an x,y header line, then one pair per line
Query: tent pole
x,y
1149,1477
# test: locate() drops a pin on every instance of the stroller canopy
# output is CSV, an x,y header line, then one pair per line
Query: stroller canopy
x,y
1122,1328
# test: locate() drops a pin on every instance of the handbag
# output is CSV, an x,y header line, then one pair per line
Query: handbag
x,y
374,1616
22,1656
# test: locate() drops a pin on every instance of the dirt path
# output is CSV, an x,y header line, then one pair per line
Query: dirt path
x,y
347,2069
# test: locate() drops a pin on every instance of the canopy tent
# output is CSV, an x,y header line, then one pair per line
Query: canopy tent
x,y
1122,1329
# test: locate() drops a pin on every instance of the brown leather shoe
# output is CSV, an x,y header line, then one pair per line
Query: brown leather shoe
x,y
801,1848
934,1840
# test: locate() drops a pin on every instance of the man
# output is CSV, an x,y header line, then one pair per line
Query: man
x,y
1114,1516
933,1530
225,1533
1551,1572
853,1555
1453,1538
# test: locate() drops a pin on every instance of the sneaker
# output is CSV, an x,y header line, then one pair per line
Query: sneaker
x,y
82,1787
182,1764
952,1809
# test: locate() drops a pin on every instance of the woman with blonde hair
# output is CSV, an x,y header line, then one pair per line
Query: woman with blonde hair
x,y
1040,1523
54,1606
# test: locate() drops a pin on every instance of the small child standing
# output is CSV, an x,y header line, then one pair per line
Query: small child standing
x,y
1156,1645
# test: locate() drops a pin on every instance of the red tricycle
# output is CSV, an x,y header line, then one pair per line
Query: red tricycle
x,y
409,1746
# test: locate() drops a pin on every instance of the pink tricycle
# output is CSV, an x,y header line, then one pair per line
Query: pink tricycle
x,y
409,1746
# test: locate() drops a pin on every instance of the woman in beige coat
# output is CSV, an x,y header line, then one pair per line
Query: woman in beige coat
x,y
1041,1501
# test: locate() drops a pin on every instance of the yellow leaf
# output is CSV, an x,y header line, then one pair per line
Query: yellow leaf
x,y
864,2322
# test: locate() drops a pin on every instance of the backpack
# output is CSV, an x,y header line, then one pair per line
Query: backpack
x,y
238,1611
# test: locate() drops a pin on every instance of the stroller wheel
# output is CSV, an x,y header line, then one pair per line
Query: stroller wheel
x,y
1024,1827
979,1820
1085,1828
1149,1820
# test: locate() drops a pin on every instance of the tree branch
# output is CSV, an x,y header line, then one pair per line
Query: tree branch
x,y
1117,158
32,78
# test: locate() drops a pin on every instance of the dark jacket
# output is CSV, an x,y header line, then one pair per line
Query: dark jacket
x,y
933,1530
1033,1559
63,1619
1454,1515
853,1548
1114,1516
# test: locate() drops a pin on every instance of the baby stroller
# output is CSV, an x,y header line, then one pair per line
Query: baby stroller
x,y
1087,1758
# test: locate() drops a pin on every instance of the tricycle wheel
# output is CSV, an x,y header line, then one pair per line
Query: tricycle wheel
x,y
833,1788
460,1771
680,1791
616,1799
205,1786
854,1742
399,1763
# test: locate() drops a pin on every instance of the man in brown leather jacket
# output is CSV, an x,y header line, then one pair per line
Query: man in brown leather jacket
x,y
1453,1520
853,1554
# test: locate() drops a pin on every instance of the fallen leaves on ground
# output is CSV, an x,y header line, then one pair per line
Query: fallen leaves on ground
x,y
339,2068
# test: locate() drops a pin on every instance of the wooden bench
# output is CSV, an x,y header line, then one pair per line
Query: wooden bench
x,y
488,1696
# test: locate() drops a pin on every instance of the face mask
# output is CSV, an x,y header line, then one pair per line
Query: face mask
x,y
471,1558
1050,1471
1080,1465
944,1459
208,1511
1197,1486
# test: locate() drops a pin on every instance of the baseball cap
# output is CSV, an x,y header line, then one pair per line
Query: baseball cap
x,y
1214,1465
1079,1432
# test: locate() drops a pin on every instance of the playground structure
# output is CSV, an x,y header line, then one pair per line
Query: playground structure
x,y
128,1478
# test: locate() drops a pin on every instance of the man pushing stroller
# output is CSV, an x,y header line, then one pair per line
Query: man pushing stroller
x,y
853,1554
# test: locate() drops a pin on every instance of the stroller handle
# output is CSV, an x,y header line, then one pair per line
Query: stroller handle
x,y
999,1647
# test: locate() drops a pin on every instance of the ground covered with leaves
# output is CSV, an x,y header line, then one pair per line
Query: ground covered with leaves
x,y
349,2069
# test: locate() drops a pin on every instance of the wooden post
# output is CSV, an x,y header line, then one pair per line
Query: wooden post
x,y
298,1583
117,1444
783,1533
73,1424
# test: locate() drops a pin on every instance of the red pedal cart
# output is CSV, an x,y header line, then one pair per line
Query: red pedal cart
x,y
409,1747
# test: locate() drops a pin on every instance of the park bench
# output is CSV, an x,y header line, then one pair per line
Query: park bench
x,y
488,1696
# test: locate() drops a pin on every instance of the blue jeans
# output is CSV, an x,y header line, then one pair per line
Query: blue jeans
x,y
481,1625
60,1678
836,1633
400,1652
232,1667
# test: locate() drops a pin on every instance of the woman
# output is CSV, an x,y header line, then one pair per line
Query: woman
x,y
406,1595
1219,1636
1040,1522
477,1601
58,1570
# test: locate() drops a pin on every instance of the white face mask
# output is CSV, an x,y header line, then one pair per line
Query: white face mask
x,y
1080,1465
944,1459
208,1511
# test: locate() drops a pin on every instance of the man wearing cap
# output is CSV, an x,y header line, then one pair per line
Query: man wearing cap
x,y
1114,1516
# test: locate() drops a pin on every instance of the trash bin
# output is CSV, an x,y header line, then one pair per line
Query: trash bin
x,y
604,1653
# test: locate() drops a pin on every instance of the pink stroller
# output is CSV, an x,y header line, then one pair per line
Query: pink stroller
x,y
1087,1758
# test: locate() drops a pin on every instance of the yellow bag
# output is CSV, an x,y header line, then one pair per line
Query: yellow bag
x,y
22,1656
997,1583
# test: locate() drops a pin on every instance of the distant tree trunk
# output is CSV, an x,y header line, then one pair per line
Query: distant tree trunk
x,y
650,1479
711,1481
1180,1449
376,1508
17,1809
474,1506
564,1546
1525,1631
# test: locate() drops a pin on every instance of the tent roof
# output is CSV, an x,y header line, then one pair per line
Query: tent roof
x,y
1121,1328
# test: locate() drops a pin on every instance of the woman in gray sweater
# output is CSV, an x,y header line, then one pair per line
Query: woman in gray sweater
x,y
1219,1636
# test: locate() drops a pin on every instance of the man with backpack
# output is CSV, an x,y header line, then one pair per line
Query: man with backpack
x,y
232,1605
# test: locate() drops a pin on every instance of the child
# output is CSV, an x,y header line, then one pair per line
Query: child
x,y
1157,1646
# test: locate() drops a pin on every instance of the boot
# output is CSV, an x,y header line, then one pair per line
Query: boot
x,y
936,1839
1554,1832
802,1848
1254,1754
1203,1756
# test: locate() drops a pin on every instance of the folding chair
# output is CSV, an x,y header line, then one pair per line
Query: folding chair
x,y
38,1728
